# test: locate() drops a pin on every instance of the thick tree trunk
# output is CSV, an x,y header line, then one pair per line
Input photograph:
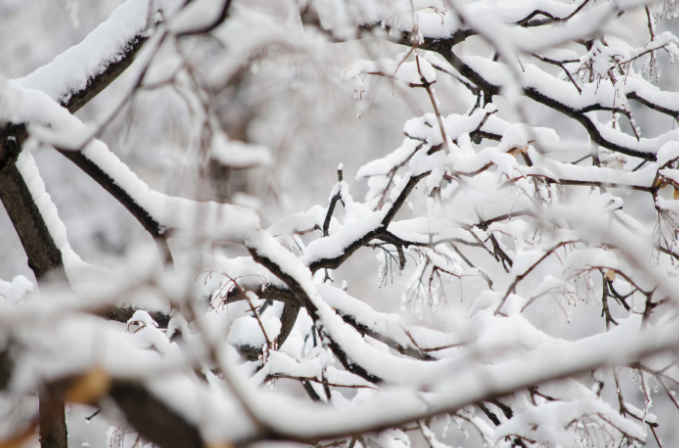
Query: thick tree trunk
x,y
43,257
43,254
53,433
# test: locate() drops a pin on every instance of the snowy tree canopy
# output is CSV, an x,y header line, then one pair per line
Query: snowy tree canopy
x,y
340,223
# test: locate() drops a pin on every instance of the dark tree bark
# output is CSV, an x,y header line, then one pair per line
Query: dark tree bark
x,y
53,432
43,257
153,420
76,101
43,254
98,83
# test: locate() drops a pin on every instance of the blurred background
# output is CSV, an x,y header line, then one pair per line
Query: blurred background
x,y
292,100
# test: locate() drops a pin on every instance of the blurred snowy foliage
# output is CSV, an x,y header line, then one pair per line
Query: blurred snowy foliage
x,y
353,223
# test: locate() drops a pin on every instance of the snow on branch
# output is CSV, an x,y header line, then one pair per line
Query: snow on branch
x,y
523,225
